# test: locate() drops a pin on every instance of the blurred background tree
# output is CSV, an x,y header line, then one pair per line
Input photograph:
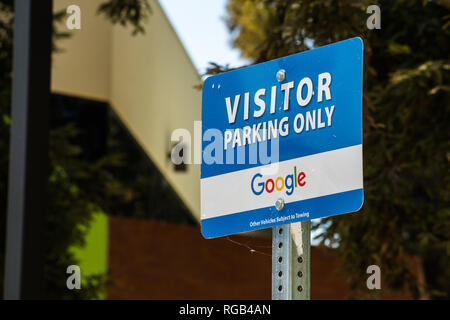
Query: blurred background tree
x,y
406,213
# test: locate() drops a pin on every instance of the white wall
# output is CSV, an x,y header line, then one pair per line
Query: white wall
x,y
83,67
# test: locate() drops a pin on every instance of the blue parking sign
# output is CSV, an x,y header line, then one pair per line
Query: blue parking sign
x,y
282,141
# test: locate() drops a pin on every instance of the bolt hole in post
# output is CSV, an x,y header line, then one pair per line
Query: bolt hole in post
x,y
290,264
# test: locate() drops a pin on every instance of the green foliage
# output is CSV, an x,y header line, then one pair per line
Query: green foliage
x,y
127,11
406,213
75,189
58,31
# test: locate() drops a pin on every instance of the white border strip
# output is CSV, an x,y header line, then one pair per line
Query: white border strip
x,y
326,173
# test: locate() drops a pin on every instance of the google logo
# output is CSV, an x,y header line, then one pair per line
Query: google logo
x,y
290,182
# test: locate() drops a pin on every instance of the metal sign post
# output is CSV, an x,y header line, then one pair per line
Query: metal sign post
x,y
28,162
291,261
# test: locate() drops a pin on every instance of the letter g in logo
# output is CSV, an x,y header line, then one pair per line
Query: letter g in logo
x,y
260,185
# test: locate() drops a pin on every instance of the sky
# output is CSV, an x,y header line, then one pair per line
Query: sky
x,y
201,27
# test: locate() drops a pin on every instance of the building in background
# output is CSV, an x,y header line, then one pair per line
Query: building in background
x,y
126,93
147,79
